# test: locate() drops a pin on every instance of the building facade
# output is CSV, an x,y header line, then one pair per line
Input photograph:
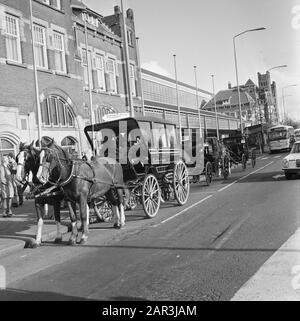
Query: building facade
x,y
160,100
70,76
268,98
258,103
227,102
82,75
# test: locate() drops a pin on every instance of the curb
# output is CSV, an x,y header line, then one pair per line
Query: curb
x,y
11,244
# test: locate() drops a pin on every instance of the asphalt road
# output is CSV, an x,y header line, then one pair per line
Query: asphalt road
x,y
205,250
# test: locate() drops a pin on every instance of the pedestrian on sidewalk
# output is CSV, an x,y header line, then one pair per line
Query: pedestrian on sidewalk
x,y
18,194
6,187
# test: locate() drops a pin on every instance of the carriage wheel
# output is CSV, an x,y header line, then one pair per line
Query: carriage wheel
x,y
226,165
181,183
151,196
208,173
253,158
244,162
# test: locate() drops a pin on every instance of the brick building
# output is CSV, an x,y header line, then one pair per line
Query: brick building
x,y
227,102
268,97
63,76
258,103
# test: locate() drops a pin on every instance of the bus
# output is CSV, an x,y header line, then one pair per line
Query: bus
x,y
297,134
281,137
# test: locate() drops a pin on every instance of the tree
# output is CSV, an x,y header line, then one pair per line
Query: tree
x,y
291,122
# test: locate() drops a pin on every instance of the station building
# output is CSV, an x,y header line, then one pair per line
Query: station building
x,y
160,100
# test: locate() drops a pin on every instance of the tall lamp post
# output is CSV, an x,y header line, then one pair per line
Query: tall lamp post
x,y
236,71
197,101
140,73
177,98
38,106
215,104
276,105
283,102
127,64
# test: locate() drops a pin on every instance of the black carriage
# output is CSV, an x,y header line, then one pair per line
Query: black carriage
x,y
149,151
240,150
216,159
204,158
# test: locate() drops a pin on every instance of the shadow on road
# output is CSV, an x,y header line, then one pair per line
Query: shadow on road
x,y
196,249
21,295
266,177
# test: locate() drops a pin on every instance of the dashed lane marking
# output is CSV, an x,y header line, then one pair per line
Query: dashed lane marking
x,y
243,177
183,211
208,197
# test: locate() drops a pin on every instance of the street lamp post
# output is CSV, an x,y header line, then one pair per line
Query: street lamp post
x,y
215,104
283,102
177,99
127,63
197,101
236,71
38,106
140,73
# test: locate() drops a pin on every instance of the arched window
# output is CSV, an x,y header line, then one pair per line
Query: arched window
x,y
6,147
104,110
70,144
56,112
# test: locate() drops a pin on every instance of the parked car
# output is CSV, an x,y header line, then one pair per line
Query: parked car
x,y
291,163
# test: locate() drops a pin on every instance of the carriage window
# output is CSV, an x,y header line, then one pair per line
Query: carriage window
x,y
171,135
159,135
185,134
146,131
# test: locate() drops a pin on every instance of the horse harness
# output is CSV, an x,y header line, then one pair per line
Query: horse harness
x,y
93,180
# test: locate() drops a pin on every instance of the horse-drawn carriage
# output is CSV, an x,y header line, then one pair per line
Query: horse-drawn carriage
x,y
240,150
149,152
216,158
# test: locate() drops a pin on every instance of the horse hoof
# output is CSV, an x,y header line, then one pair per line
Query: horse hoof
x,y
31,244
58,240
83,241
72,242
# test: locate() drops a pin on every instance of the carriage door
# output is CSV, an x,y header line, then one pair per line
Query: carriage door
x,y
160,153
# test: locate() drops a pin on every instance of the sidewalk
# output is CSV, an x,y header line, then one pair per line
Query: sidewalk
x,y
19,231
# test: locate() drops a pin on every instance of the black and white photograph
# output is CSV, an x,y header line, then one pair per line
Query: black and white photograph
x,y
149,154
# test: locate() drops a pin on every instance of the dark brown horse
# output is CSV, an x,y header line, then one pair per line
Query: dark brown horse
x,y
83,182
28,162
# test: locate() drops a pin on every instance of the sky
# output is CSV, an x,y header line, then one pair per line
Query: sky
x,y
200,33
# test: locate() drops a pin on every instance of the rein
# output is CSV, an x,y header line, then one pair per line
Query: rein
x,y
93,180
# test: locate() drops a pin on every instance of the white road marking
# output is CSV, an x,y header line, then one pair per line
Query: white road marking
x,y
277,156
265,158
278,279
209,196
278,176
225,187
183,211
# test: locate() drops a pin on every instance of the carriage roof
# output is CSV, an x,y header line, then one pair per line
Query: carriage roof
x,y
133,120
